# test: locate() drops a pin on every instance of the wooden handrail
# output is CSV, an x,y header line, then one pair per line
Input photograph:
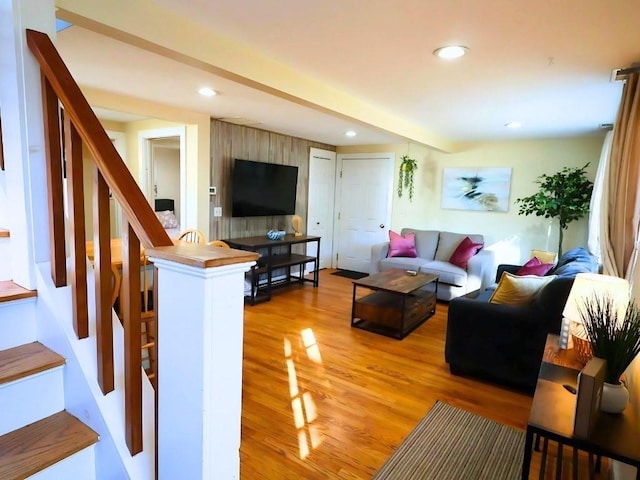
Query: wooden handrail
x,y
81,126
118,177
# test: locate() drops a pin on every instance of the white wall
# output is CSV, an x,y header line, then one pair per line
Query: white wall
x,y
510,235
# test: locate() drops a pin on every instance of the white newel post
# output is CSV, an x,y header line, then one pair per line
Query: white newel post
x,y
200,329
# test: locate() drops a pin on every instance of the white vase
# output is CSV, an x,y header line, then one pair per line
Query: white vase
x,y
614,398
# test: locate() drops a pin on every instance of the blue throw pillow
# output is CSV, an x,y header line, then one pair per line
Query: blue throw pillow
x,y
578,253
577,260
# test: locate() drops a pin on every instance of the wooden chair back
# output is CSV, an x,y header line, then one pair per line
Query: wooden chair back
x,y
218,243
193,235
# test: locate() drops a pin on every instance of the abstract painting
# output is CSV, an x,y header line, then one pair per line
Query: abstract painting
x,y
485,189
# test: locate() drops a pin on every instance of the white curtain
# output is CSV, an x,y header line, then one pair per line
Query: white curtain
x,y
599,210
598,219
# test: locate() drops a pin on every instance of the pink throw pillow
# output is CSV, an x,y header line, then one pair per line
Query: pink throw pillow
x,y
532,262
535,267
402,246
464,251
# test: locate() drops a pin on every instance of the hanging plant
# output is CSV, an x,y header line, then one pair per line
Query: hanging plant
x,y
405,179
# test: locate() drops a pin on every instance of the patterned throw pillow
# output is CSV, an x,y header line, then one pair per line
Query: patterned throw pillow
x,y
402,246
167,219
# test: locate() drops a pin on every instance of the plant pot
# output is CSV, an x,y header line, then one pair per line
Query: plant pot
x,y
614,398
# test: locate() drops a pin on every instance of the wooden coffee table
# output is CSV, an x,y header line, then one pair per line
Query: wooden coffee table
x,y
397,304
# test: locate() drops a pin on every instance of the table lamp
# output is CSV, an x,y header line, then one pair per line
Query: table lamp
x,y
586,286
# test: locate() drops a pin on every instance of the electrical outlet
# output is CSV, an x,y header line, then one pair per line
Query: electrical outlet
x,y
217,211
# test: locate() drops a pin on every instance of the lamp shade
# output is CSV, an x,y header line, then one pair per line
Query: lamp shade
x,y
586,285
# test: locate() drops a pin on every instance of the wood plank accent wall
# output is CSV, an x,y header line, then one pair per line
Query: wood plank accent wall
x,y
228,142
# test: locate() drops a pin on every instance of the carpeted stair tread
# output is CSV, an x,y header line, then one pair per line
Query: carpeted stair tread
x,y
24,360
10,291
39,445
4,232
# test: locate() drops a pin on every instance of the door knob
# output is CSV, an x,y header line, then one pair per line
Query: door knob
x,y
382,225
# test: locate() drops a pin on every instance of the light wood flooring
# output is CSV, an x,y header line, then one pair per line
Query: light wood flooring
x,y
324,401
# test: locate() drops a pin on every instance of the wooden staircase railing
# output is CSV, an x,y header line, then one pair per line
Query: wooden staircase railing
x,y
141,226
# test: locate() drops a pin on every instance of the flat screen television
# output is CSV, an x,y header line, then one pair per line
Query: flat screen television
x,y
261,189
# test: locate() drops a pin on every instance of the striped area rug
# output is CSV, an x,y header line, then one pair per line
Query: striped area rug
x,y
453,444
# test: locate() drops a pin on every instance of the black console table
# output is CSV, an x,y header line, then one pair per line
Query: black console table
x,y
280,259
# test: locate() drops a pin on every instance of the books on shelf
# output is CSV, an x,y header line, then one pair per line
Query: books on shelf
x,y
588,395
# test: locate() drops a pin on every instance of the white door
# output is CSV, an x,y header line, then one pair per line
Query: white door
x,y
322,181
364,207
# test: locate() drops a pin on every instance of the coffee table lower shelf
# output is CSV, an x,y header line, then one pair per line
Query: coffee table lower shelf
x,y
393,314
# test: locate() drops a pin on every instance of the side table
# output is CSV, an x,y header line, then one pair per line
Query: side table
x,y
552,414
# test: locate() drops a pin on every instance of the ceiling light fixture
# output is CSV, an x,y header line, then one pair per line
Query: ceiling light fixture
x,y
207,92
513,125
350,133
451,51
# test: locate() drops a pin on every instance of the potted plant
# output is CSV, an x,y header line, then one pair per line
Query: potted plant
x,y
615,337
405,179
565,195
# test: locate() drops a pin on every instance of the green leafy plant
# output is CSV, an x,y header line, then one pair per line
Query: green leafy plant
x,y
618,342
405,179
564,195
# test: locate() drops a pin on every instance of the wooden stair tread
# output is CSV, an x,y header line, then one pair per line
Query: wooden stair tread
x,y
4,232
39,445
25,360
10,291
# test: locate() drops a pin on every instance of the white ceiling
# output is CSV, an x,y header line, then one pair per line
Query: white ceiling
x,y
128,70
544,63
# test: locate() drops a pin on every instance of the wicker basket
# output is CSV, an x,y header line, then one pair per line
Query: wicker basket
x,y
582,348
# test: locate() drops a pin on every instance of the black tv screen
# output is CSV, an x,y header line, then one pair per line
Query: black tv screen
x,y
260,189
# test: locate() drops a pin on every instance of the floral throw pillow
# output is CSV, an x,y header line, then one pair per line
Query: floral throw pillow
x,y
167,219
402,246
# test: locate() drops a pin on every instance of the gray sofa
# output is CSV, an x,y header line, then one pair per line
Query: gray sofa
x,y
434,248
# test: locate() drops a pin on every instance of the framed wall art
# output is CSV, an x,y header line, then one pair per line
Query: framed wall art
x,y
484,189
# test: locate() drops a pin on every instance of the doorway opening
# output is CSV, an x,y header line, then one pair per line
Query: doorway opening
x,y
162,173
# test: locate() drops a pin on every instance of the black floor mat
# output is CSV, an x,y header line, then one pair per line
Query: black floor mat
x,y
350,274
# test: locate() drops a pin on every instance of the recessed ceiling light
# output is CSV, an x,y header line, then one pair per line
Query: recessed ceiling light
x,y
350,133
513,125
207,92
450,51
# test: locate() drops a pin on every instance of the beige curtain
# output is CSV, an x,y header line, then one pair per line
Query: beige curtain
x,y
619,241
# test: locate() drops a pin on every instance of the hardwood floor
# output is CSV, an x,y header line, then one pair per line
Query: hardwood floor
x,y
324,401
